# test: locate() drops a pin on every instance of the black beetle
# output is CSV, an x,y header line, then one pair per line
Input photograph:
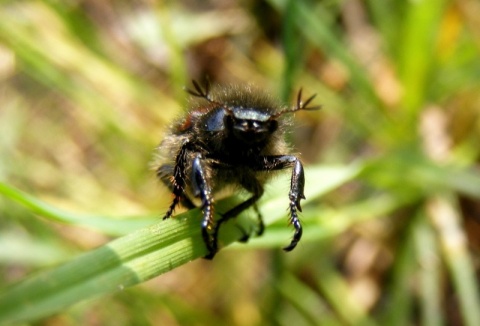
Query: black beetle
x,y
232,136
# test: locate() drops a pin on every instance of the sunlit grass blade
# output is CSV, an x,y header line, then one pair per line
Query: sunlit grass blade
x,y
326,223
430,273
415,62
18,248
103,224
136,257
447,222
304,299
340,298
399,303
121,263
319,180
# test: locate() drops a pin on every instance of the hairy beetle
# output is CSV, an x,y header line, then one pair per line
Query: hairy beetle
x,y
232,136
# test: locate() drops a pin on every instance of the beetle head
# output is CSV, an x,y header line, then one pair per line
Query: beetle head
x,y
249,124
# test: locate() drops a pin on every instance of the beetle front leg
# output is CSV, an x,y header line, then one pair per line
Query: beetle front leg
x,y
201,188
296,194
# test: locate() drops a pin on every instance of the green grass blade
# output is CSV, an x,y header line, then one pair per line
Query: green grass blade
x,y
140,256
335,288
326,223
124,262
430,273
446,221
399,306
104,224
417,53
319,29
304,299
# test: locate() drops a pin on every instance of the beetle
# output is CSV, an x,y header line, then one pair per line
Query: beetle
x,y
233,136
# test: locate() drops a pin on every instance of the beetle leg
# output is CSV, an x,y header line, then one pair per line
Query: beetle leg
x,y
201,188
261,225
257,193
164,173
235,211
245,236
296,194
175,182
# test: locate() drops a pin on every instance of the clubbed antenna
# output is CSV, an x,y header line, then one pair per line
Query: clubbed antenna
x,y
304,105
300,105
201,92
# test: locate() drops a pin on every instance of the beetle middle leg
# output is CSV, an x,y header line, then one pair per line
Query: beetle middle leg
x,y
257,191
260,226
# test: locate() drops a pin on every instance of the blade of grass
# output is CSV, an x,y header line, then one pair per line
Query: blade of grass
x,y
331,178
398,309
124,262
429,274
317,25
304,299
104,224
291,47
326,223
417,53
74,69
318,180
387,16
318,28
337,293
420,175
18,248
135,258
446,220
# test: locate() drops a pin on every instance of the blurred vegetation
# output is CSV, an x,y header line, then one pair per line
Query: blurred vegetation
x,y
392,220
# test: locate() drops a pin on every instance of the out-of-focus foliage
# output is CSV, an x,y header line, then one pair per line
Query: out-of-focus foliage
x,y
88,87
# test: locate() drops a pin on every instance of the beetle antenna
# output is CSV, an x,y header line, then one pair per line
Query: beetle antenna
x,y
301,105
304,105
201,92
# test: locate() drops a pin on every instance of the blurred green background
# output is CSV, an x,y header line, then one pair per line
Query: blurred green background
x,y
88,88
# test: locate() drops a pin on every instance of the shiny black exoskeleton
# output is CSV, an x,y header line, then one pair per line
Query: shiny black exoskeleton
x,y
233,137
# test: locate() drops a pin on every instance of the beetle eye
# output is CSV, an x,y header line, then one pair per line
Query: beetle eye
x,y
228,120
272,125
